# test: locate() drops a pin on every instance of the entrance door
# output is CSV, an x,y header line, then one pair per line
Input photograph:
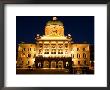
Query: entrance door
x,y
53,64
60,64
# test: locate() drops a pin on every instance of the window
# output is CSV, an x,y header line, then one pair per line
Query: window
x,y
46,51
40,51
34,55
46,45
84,55
34,49
30,49
77,49
29,55
23,54
24,49
60,45
66,64
66,51
73,55
60,51
53,51
28,63
78,62
40,45
78,55
53,45
66,45
83,49
39,64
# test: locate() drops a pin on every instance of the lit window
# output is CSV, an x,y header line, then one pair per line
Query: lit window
x,y
40,51
28,62
34,55
60,51
29,55
40,45
73,55
66,64
53,51
23,55
78,55
46,46
66,45
46,51
60,45
78,62
84,55
77,49
53,45
66,52
83,49
39,64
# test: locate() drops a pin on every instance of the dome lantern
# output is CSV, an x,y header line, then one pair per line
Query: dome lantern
x,y
54,18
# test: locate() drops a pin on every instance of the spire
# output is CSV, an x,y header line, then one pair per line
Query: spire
x,y
54,18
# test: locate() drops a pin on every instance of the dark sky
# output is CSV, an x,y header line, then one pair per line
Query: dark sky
x,y
80,27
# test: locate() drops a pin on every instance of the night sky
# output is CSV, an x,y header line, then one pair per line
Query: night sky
x,y
81,28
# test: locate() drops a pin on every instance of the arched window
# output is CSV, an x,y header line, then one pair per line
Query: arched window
x,y
28,62
73,55
84,55
84,49
39,64
29,55
78,55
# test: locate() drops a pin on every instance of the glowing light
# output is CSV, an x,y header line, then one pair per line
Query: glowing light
x,y
54,18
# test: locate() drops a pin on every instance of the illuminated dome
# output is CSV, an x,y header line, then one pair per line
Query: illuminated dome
x,y
54,28
54,22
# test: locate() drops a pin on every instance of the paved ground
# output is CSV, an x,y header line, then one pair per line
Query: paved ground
x,y
41,71
49,71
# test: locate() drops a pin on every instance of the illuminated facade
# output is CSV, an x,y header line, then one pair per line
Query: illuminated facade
x,y
54,50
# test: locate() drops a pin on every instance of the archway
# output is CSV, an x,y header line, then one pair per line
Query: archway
x,y
53,64
60,64
46,64
39,64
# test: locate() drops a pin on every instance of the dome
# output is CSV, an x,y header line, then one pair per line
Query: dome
x,y
54,28
54,22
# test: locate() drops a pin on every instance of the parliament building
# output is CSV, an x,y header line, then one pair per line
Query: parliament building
x,y
53,50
